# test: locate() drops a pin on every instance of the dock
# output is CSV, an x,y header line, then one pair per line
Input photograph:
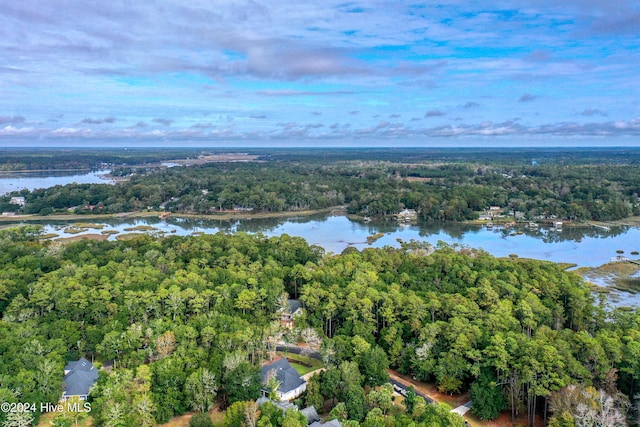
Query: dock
x,y
603,227
622,258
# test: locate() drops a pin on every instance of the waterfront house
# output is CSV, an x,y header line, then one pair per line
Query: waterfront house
x,y
17,201
407,215
495,211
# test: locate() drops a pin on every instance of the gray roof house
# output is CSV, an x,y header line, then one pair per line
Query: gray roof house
x,y
332,423
311,414
79,376
284,406
294,306
291,385
293,309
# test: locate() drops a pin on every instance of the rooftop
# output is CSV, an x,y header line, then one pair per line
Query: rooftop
x,y
79,376
286,375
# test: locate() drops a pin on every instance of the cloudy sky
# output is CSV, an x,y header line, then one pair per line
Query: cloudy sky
x,y
320,72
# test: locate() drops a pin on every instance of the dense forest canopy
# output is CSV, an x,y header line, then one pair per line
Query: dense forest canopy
x,y
22,159
188,320
441,185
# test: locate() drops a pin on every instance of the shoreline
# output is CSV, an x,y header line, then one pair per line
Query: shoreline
x,y
8,172
633,221
147,214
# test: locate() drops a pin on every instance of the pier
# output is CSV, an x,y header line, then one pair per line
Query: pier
x,y
622,258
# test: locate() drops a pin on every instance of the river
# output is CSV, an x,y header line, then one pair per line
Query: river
x,y
14,181
584,246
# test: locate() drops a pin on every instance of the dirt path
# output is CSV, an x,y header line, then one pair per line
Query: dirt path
x,y
504,420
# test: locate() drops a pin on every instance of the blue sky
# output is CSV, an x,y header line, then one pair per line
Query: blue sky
x,y
257,73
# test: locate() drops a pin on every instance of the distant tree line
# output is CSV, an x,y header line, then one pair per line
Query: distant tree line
x,y
43,159
377,189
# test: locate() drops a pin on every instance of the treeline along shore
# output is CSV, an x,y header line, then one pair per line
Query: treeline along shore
x,y
438,186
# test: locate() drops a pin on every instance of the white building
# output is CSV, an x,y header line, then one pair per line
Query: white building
x,y
17,201
291,385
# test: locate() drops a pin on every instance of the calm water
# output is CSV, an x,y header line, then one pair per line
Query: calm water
x,y
19,181
586,247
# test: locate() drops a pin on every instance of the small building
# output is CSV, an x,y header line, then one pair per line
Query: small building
x,y
283,406
557,225
8,214
311,414
290,312
407,215
79,376
485,217
494,211
291,384
332,423
17,201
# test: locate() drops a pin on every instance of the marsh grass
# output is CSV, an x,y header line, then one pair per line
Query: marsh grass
x,y
141,228
374,237
631,285
109,232
88,225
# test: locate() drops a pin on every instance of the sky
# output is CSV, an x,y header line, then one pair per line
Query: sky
x,y
288,73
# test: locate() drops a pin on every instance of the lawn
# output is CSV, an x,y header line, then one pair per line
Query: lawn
x,y
302,369
302,364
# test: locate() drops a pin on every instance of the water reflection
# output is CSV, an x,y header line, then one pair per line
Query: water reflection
x,y
585,246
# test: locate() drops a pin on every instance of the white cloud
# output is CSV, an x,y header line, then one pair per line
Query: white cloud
x,y
68,131
163,64
11,130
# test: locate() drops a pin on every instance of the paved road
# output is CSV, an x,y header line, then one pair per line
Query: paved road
x,y
402,389
463,409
